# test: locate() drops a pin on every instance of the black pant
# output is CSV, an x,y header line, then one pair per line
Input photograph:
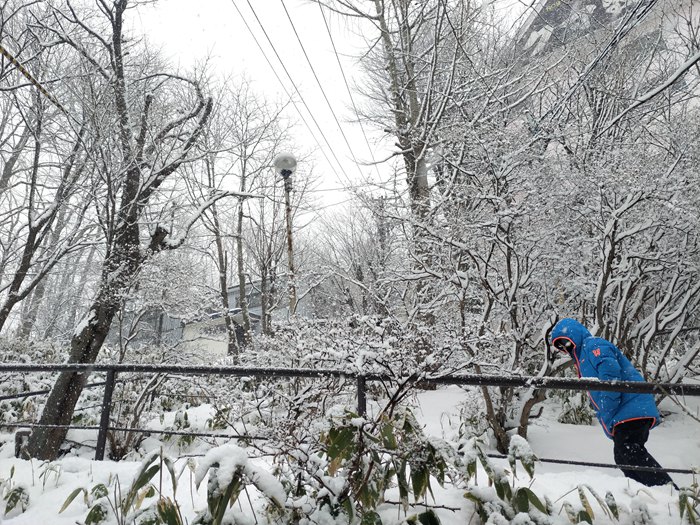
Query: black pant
x,y
629,449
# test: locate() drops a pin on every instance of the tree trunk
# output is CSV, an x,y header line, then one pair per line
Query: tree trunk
x,y
69,280
139,154
266,301
222,260
44,443
242,297
29,319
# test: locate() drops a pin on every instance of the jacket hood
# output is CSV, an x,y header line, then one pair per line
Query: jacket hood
x,y
573,330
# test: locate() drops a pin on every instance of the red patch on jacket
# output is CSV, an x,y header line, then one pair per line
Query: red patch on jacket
x,y
596,352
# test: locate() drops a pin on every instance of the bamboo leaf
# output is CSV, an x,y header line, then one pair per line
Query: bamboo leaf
x,y
584,501
521,501
168,512
428,518
334,465
371,518
479,505
529,465
219,502
503,489
148,492
97,514
18,497
341,443
388,437
471,469
570,512
170,465
143,479
424,518
603,504
612,505
71,497
532,497
99,491
403,484
349,509
420,478
486,463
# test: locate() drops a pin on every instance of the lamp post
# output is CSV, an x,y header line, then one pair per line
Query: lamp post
x,y
285,165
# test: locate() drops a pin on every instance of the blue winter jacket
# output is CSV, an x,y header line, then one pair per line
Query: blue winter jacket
x,y
597,357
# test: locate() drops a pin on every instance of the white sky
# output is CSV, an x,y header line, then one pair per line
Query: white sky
x,y
189,31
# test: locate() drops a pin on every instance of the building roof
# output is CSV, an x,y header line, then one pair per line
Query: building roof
x,y
553,23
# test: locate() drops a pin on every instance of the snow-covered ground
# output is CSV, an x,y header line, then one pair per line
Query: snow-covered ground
x,y
675,444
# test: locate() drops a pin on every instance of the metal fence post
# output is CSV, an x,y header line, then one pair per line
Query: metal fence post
x,y
104,417
361,395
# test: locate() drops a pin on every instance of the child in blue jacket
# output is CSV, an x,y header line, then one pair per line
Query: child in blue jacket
x,y
626,418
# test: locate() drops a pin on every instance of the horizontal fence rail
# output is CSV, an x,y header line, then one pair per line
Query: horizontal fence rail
x,y
23,395
361,379
545,382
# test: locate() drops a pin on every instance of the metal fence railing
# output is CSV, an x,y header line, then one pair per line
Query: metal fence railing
x,y
113,370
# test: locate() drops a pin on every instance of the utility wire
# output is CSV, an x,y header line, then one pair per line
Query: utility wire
x,y
291,80
31,79
303,101
279,80
347,87
320,86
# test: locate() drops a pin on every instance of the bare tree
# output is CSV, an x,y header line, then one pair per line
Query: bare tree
x,y
535,206
139,147
43,205
244,137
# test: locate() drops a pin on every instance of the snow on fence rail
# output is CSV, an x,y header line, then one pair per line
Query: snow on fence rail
x,y
543,382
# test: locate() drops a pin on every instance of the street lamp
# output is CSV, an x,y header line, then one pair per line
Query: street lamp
x,y
285,165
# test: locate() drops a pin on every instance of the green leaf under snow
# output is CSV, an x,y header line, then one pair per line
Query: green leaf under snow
x,y
403,484
99,491
341,443
428,518
532,498
420,479
612,505
424,518
97,514
17,498
521,501
371,518
388,437
348,508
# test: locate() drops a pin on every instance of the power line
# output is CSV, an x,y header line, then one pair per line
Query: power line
x,y
347,87
344,188
318,81
291,80
4,52
303,101
279,80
